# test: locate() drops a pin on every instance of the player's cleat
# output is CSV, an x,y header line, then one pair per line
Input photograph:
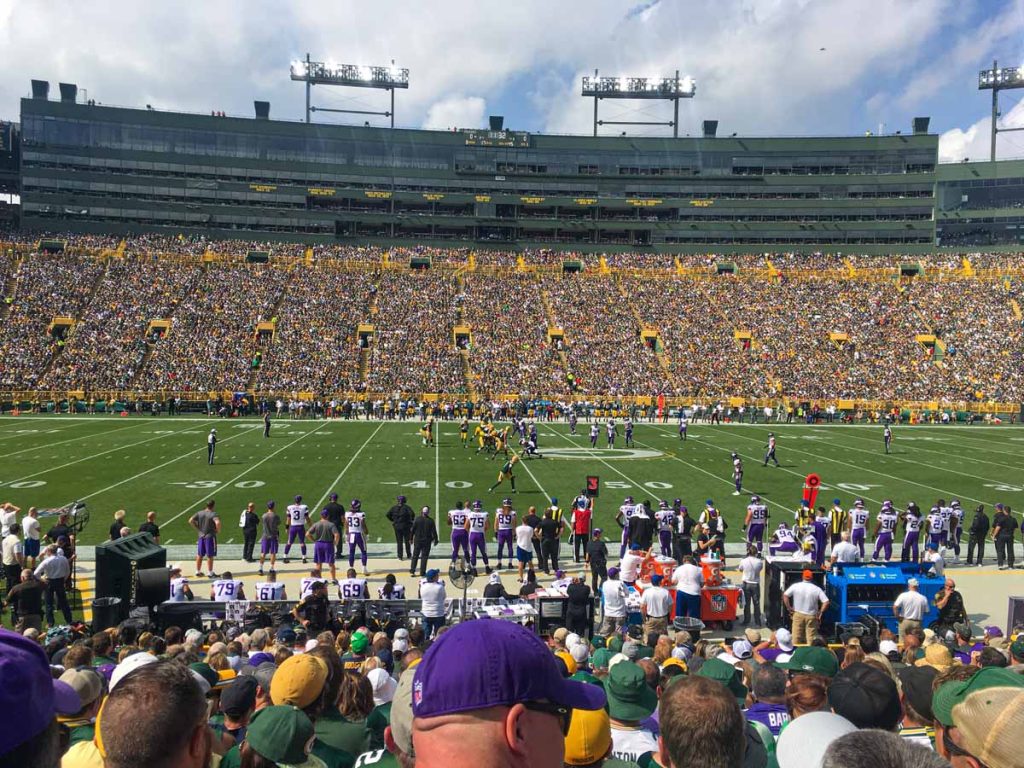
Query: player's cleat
x,y
488,568
735,493
261,571
286,561
366,572
212,575
199,575
304,561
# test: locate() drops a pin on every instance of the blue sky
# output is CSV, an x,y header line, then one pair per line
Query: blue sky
x,y
759,64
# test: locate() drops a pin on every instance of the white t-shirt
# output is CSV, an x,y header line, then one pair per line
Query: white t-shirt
x,y
629,567
658,602
614,594
806,597
178,589
8,519
750,568
30,527
845,552
524,537
911,605
688,578
433,596
938,563
630,744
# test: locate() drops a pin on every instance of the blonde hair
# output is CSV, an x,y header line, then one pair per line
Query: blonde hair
x,y
119,515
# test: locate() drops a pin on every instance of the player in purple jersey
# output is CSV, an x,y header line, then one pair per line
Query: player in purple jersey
x,y
858,525
477,523
460,536
884,530
297,514
504,529
622,518
356,531
666,519
756,522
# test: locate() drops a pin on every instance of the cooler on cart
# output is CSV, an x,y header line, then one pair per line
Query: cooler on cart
x,y
719,602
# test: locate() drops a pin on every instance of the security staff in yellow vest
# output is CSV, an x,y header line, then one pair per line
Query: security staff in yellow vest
x,y
556,515
837,524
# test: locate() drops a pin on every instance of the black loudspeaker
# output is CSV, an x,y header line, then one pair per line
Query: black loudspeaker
x,y
262,110
497,122
921,124
68,92
1015,615
41,89
187,615
118,563
710,128
152,586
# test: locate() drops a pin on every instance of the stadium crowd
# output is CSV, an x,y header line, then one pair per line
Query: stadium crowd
x,y
301,689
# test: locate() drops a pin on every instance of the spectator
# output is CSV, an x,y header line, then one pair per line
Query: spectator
x,y
132,730
978,719
630,702
804,743
384,687
589,740
518,717
31,739
887,750
769,694
916,699
807,693
910,607
280,735
700,717
432,594
90,687
26,601
613,602
54,571
866,697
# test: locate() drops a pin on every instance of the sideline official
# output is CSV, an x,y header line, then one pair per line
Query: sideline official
x,y
424,536
401,518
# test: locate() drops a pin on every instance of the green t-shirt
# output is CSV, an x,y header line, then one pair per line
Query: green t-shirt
x,y
81,733
376,722
378,758
348,736
614,762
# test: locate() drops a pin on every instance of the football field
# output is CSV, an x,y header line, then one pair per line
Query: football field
x,y
143,463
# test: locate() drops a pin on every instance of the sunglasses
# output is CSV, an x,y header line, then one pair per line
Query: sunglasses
x,y
562,713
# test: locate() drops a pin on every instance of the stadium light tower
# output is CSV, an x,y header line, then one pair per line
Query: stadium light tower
x,y
997,80
352,76
664,88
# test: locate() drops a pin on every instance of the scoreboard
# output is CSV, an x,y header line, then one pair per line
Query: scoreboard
x,y
478,137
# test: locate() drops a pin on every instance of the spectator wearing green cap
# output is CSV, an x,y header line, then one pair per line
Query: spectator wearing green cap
x,y
630,702
810,658
979,720
280,735
357,651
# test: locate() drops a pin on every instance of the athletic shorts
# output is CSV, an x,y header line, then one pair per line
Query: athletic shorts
x,y
523,555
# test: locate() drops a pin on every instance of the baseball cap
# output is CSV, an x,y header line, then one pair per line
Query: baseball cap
x,y
401,713
916,683
205,675
675,662
560,634
988,711
741,649
261,658
87,683
938,656
805,740
589,737
784,639
580,653
359,642
726,674
1017,648
993,631
384,686
239,697
807,575
30,691
298,681
130,664
810,658
501,663
629,696
885,647
601,658
752,635
866,696
570,663
282,734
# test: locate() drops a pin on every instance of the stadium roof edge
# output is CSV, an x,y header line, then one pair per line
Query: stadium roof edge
x,y
248,124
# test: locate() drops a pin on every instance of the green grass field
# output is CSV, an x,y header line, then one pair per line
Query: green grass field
x,y
141,463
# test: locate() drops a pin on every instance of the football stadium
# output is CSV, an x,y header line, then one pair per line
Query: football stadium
x,y
345,443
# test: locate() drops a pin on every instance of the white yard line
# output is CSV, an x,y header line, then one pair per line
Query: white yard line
x,y
437,471
244,472
596,453
917,447
345,469
70,440
97,455
145,472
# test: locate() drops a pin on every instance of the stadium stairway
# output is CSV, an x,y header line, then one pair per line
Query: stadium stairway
x,y
250,383
7,300
83,312
545,299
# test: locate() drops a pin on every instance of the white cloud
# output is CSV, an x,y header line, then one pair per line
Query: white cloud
x,y
975,141
456,112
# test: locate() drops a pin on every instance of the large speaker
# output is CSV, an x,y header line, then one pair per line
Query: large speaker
x,y
781,574
921,124
118,564
1015,615
68,92
41,89
496,122
187,615
710,128
152,586
262,109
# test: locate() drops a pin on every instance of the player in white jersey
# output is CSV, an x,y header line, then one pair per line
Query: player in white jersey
x,y
912,536
770,450
271,589
297,514
737,473
353,588
956,524
307,583
227,588
612,432
947,512
782,540
756,522
595,430
356,531
180,590
504,531
859,517
622,518
477,523
391,590
666,519
936,526
885,530
460,536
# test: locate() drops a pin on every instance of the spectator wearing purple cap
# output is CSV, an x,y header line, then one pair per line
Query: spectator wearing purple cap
x,y
31,700
401,517
491,693
613,604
